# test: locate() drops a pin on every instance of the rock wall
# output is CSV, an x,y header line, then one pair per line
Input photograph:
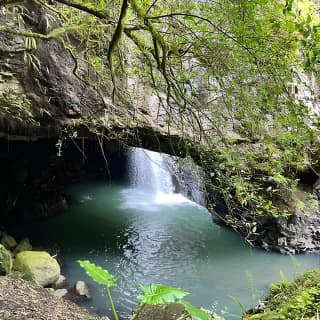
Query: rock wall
x,y
297,233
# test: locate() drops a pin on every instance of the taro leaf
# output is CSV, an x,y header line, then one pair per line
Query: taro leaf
x,y
98,274
159,294
195,312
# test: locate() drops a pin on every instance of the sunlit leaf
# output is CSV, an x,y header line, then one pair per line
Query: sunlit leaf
x,y
98,274
160,294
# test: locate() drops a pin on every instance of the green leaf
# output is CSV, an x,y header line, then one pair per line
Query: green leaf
x,y
160,294
195,312
98,274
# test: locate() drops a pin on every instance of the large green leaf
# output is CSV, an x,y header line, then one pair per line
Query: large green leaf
x,y
98,274
160,294
195,312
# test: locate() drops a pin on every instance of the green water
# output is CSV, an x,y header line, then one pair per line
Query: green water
x,y
164,239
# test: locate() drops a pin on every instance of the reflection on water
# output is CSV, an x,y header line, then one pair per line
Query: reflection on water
x,y
147,238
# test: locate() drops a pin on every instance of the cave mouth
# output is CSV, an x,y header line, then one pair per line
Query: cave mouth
x,y
34,174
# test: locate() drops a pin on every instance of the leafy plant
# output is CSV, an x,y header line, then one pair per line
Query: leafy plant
x,y
151,294
159,294
103,277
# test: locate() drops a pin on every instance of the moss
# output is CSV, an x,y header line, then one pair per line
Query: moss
x,y
5,260
292,300
37,266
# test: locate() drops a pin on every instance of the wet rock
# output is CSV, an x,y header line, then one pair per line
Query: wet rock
x,y
82,290
5,261
60,293
37,266
8,241
187,178
298,233
60,283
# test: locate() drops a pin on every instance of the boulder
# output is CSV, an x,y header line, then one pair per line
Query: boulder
x,y
5,261
37,266
8,241
23,245
82,290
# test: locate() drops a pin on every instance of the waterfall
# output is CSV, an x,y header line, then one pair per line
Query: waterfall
x,y
147,170
151,181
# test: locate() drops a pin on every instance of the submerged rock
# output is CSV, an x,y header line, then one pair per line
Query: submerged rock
x,y
5,261
37,266
82,290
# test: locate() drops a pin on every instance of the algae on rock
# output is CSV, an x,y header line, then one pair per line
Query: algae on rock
x,y
37,266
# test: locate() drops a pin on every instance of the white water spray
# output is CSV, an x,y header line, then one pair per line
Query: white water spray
x,y
149,174
147,170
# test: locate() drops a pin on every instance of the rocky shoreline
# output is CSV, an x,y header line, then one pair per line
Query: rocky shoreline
x,y
32,287
23,300
294,234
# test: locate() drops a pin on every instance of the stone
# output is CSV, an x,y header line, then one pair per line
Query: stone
x,y
60,293
82,290
8,241
23,245
37,266
5,261
60,283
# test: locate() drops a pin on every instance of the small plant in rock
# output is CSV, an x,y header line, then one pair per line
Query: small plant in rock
x,y
151,294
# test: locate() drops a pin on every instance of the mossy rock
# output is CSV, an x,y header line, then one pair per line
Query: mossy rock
x,y
5,260
8,241
171,311
38,267
23,245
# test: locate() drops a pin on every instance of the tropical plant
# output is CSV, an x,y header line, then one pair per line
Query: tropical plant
x,y
102,277
151,294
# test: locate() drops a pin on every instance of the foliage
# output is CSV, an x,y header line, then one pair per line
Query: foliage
x,y
152,294
103,277
159,294
98,274
15,107
225,74
295,300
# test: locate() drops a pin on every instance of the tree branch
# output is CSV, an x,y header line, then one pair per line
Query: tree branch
x,y
171,15
99,13
28,34
115,40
